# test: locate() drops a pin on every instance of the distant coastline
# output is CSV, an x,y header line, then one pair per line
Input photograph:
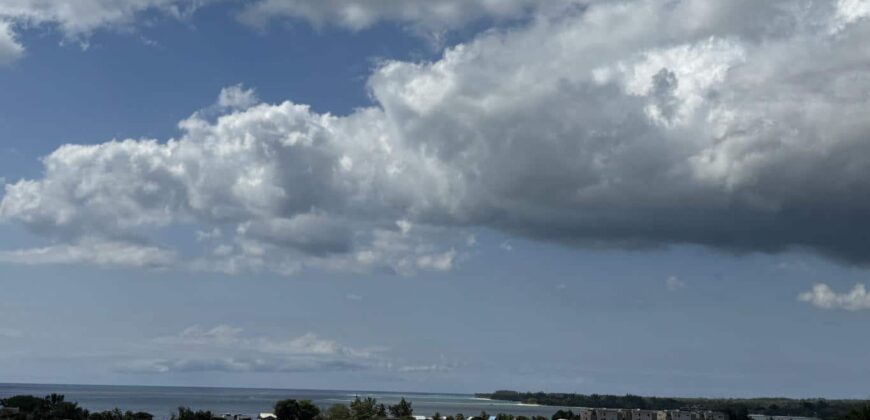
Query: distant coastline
x,y
735,408
162,401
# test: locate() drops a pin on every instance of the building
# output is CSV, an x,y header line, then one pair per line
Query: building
x,y
712,415
692,415
638,414
765,417
604,414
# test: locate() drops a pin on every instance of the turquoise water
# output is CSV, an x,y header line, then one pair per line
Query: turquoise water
x,y
161,401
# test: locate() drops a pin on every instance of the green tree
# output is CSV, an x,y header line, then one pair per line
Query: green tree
x,y
185,413
26,403
402,409
116,414
436,416
291,409
51,407
562,414
364,409
307,410
338,412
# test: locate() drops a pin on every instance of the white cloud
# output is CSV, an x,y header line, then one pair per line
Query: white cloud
x,y
77,18
673,283
426,368
95,252
10,48
733,124
849,11
228,348
437,262
237,97
823,297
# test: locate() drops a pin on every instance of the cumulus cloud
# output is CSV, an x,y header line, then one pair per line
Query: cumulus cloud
x,y
823,297
237,97
10,48
737,125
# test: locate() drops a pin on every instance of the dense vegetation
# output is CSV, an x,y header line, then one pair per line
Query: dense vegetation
x,y
55,407
737,409
184,413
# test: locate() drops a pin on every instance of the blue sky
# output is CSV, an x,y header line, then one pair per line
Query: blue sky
x,y
436,196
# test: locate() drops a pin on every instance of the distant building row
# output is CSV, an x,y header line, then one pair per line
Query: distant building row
x,y
637,414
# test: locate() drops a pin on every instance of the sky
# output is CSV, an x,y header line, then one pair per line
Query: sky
x,y
656,197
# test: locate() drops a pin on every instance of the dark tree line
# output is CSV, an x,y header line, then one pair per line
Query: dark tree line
x,y
737,409
55,407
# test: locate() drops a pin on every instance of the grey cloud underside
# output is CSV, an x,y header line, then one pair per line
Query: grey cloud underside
x,y
731,124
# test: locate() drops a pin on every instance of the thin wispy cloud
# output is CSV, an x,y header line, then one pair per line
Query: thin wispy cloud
x,y
228,348
674,283
225,348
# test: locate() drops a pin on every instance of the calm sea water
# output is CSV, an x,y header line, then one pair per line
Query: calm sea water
x,y
161,401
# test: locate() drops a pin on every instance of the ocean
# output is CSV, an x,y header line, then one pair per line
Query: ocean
x,y
162,401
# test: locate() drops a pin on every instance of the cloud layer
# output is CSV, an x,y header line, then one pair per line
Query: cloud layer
x,y
78,19
427,15
731,124
225,348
